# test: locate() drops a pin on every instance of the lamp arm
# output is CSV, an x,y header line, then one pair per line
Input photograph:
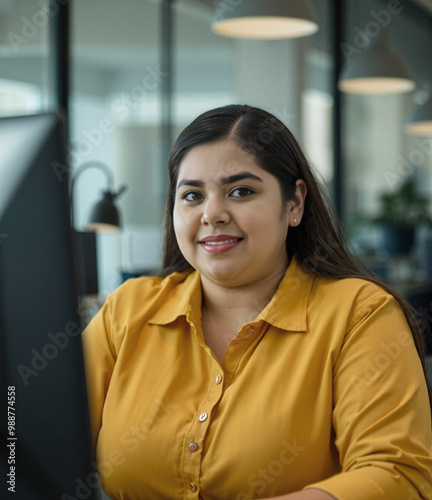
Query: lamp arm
x,y
121,190
91,164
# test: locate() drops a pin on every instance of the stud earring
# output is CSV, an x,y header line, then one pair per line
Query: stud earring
x,y
295,221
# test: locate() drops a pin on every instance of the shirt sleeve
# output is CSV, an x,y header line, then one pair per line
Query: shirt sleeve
x,y
99,358
381,414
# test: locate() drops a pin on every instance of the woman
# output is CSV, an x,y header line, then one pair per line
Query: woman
x,y
264,361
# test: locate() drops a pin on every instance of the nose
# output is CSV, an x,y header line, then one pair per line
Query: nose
x,y
215,213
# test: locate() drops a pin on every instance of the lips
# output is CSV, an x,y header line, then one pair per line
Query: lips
x,y
220,238
219,244
223,242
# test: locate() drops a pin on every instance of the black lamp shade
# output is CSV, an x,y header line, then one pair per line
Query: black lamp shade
x,y
104,215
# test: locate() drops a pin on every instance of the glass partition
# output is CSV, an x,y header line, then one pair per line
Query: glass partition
x,y
25,67
388,173
115,120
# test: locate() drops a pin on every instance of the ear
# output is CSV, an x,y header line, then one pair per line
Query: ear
x,y
296,204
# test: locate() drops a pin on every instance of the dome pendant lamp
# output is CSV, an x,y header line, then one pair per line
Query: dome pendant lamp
x,y
376,70
264,19
420,123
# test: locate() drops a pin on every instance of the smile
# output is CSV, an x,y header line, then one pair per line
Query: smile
x,y
219,246
225,242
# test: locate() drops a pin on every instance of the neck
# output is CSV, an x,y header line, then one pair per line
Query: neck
x,y
245,301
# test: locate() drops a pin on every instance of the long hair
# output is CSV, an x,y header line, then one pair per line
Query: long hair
x,y
318,243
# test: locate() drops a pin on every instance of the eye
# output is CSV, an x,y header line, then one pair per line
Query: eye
x,y
192,196
241,192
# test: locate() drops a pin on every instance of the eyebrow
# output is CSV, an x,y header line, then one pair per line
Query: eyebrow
x,y
224,181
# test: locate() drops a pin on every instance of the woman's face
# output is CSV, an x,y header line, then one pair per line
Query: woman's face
x,y
230,220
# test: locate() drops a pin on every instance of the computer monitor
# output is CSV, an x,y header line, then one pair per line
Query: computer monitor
x,y
47,452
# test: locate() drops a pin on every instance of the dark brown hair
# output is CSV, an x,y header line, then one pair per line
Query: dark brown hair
x,y
318,242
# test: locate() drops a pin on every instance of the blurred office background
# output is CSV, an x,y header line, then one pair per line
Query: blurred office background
x,y
141,70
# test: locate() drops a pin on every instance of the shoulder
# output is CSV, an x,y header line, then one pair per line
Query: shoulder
x,y
132,305
347,289
149,285
354,298
145,294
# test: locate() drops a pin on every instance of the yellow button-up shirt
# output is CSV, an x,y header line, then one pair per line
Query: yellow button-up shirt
x,y
324,388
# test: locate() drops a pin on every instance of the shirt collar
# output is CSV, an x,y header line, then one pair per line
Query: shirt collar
x,y
288,307
287,310
185,299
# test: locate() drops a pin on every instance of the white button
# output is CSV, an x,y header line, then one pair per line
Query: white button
x,y
251,329
218,379
193,446
203,417
193,487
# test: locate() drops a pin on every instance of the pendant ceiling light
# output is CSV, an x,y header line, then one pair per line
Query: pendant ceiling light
x,y
264,19
376,70
420,123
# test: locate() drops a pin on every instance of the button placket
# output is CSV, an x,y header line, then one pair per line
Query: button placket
x,y
193,446
249,334
193,487
203,417
197,432
196,437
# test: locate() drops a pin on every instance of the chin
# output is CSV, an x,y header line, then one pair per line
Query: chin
x,y
221,271
232,278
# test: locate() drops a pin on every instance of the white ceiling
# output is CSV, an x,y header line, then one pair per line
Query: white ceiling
x,y
108,40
